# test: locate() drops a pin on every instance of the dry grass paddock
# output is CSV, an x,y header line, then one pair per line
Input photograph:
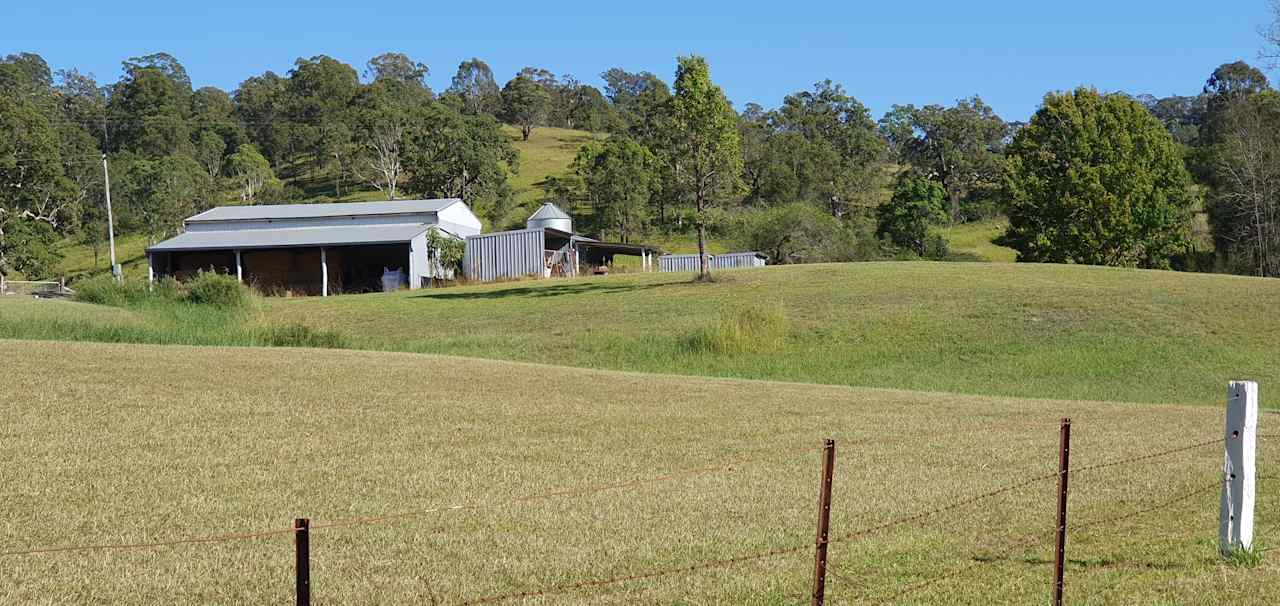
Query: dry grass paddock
x,y
111,444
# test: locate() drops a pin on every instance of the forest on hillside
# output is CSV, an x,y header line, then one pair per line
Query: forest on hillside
x,y
1183,182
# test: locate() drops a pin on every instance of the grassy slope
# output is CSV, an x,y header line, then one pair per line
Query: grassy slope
x,y
972,242
232,440
1010,329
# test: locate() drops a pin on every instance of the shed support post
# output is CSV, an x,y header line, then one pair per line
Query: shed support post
x,y
324,273
151,271
1235,528
239,268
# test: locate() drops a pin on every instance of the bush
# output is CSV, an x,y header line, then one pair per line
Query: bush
x,y
217,290
301,335
743,330
103,290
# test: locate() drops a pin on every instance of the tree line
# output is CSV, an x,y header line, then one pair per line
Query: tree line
x,y
1091,178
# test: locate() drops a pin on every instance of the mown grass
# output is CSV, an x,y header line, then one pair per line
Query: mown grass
x,y
129,443
973,242
1045,331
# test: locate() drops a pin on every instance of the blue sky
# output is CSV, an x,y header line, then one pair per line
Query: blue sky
x,y
1009,52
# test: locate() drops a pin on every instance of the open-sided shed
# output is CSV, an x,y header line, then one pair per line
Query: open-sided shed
x,y
313,248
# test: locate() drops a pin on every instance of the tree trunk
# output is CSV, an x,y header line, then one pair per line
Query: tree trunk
x,y
704,264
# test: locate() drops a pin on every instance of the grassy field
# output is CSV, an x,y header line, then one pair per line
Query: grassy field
x,y
972,242
1070,332
129,443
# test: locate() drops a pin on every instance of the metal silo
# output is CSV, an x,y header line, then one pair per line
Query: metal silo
x,y
549,216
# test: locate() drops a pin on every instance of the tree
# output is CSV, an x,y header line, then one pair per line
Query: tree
x,y
260,106
468,156
250,170
960,146
820,146
587,109
619,176
474,85
706,149
149,113
318,98
916,206
388,110
524,104
1244,185
1096,179
158,194
797,232
33,189
209,149
641,100
398,67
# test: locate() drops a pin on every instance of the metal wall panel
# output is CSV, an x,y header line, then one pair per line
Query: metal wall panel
x,y
724,261
508,254
737,260
679,262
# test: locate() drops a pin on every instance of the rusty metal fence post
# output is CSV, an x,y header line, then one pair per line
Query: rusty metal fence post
x,y
1064,473
302,548
824,524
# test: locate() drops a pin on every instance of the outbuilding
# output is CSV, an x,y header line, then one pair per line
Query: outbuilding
x,y
735,260
314,248
547,247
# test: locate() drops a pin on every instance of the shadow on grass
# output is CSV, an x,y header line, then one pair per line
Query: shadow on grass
x,y
557,290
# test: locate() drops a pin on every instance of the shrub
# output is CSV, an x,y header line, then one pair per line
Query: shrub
x,y
742,330
104,290
301,335
217,290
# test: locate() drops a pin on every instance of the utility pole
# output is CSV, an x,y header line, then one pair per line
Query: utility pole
x,y
111,227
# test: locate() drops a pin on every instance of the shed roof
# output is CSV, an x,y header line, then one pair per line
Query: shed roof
x,y
549,211
291,237
332,209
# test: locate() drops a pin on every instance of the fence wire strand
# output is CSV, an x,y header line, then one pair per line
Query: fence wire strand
x,y
636,577
342,523
1144,457
1133,514
153,544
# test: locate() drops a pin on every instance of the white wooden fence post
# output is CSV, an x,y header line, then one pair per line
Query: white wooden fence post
x,y
1235,528
324,273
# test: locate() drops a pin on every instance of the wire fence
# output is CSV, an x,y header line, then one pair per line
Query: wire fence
x,y
917,518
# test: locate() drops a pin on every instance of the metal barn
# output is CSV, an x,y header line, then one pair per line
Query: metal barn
x,y
738,259
313,248
546,248
671,263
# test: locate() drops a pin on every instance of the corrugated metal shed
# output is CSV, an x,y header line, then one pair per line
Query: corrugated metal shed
x,y
679,263
311,211
289,237
508,254
738,260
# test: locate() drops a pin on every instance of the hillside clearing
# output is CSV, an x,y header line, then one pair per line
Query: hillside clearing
x,y
1047,331
232,440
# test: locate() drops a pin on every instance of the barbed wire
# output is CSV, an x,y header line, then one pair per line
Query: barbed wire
x,y
729,465
1147,456
1162,505
708,564
932,512
962,570
153,544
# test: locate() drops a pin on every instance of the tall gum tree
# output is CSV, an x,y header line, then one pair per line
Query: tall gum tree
x,y
705,145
